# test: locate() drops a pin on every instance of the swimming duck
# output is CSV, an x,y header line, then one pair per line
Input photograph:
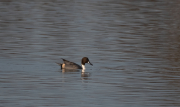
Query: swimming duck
x,y
71,65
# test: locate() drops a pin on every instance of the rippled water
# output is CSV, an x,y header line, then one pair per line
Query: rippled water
x,y
134,48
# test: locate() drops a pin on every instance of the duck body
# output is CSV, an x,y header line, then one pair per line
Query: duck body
x,y
71,65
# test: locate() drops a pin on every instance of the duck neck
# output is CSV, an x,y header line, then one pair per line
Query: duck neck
x,y
83,67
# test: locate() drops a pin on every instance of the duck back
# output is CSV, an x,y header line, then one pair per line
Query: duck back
x,y
71,65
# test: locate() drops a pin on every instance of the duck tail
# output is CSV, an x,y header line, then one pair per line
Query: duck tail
x,y
59,64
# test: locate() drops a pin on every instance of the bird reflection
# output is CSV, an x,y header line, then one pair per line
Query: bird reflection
x,y
70,70
85,75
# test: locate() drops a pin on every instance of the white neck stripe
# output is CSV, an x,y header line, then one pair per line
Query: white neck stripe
x,y
83,67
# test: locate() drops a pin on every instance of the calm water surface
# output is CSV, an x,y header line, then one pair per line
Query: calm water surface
x,y
134,47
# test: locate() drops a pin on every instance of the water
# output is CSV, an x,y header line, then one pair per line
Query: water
x,y
134,48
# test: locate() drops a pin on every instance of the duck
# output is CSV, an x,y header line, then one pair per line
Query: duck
x,y
71,65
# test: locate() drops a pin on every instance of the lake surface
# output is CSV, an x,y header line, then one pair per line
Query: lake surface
x,y
134,48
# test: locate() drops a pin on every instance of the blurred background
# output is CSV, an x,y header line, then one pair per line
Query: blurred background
x,y
134,47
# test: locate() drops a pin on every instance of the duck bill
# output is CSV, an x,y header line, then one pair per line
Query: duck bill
x,y
90,63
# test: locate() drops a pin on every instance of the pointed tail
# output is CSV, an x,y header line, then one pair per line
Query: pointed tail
x,y
59,64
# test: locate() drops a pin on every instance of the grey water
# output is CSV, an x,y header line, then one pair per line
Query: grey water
x,y
134,47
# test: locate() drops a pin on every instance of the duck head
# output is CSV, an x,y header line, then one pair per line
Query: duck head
x,y
85,60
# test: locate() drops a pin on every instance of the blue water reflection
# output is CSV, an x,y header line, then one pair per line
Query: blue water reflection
x,y
134,48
